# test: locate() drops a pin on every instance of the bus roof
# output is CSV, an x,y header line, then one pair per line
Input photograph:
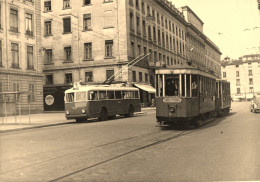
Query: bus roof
x,y
100,87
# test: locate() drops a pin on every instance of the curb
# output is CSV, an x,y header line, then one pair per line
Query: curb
x,y
49,125
33,127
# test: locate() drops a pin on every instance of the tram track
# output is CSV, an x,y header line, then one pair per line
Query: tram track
x,y
141,147
73,163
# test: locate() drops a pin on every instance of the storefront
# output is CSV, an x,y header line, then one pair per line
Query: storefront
x,y
147,93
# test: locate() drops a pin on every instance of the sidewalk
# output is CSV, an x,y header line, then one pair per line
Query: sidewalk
x,y
23,122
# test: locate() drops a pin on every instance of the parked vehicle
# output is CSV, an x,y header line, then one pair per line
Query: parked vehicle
x,y
102,101
255,103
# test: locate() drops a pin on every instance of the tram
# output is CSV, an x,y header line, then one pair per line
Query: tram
x,y
187,96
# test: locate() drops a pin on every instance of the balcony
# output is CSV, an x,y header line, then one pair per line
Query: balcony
x,y
15,65
29,32
30,67
14,29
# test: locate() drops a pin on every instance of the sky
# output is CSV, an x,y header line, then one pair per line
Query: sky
x,y
233,25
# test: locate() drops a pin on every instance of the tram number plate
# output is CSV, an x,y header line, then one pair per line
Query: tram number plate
x,y
172,99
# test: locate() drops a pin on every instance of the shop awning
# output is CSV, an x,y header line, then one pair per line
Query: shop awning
x,y
146,87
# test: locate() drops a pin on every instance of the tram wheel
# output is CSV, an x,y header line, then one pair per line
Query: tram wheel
x,y
130,111
103,115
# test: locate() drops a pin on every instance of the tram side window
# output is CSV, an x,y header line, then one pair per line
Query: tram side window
x,y
70,97
172,86
194,85
80,96
93,95
102,95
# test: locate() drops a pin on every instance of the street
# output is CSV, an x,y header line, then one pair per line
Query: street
x,y
134,149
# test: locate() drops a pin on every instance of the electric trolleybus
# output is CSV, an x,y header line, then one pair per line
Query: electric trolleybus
x,y
102,101
187,96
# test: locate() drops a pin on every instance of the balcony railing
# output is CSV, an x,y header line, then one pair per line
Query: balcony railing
x,y
14,29
15,65
30,67
29,32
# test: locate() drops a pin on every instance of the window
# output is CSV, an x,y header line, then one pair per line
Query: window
x,y
159,36
143,10
224,74
134,76
146,77
88,51
238,90
131,2
66,25
13,20
238,82
49,79
88,76
16,88
67,52
108,48
140,76
237,73
144,28
68,78
66,4
250,73
87,2
133,49
1,60
31,96
28,24
87,21
138,50
1,90
138,24
131,21
251,81
137,4
30,63
158,18
148,11
251,89
15,55
47,27
47,6
48,56
109,74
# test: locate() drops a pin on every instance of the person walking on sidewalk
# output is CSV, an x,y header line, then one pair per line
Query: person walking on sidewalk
x,y
153,103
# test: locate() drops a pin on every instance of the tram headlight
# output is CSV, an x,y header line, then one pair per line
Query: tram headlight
x,y
83,111
172,109
67,112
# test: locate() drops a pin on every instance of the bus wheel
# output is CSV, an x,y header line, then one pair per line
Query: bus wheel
x,y
130,111
103,115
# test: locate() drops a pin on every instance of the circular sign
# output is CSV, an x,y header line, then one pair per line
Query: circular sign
x,y
49,100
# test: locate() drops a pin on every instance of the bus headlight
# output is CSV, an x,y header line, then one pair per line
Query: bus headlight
x,y
83,111
172,109
67,112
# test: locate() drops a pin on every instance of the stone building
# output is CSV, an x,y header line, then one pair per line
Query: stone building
x,y
243,74
20,57
90,40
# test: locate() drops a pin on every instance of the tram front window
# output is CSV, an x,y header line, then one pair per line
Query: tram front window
x,y
172,87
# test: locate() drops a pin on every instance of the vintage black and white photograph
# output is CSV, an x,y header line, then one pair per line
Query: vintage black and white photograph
x,y
129,90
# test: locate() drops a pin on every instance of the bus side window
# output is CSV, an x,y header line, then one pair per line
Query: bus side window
x,y
102,95
110,95
93,95
118,95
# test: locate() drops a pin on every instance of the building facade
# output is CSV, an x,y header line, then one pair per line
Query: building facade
x,y
20,57
244,76
93,40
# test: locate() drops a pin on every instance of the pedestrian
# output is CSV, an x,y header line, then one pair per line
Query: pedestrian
x,y
153,103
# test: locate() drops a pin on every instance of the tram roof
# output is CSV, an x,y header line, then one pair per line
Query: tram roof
x,y
100,87
194,71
